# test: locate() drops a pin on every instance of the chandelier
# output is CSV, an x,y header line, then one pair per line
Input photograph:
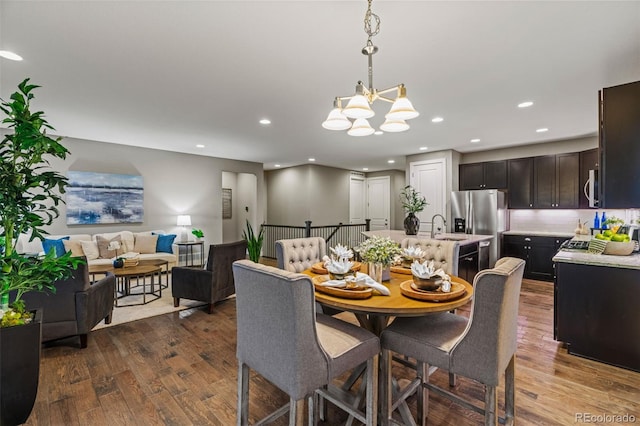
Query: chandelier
x,y
359,109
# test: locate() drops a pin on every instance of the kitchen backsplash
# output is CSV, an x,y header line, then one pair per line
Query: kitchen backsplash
x,y
562,220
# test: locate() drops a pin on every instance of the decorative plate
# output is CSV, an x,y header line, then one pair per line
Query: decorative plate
x,y
318,268
356,292
409,289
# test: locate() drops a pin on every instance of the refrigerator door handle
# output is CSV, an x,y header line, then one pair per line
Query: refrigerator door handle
x,y
469,229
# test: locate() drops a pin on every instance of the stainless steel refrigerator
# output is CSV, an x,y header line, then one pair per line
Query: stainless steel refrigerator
x,y
481,212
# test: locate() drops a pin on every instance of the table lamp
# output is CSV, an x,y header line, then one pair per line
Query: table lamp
x,y
184,220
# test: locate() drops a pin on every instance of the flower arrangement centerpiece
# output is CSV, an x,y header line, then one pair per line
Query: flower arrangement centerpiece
x,y
411,254
338,265
380,253
427,277
412,203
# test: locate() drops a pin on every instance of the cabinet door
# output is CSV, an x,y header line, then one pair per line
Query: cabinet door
x,y
471,176
540,264
515,246
495,174
544,181
520,178
588,161
468,266
567,181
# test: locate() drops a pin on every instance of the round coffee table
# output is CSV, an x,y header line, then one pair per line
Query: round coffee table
x,y
131,278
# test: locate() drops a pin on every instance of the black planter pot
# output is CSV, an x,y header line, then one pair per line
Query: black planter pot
x,y
411,224
19,370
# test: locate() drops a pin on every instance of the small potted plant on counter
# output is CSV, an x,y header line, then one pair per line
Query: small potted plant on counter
x,y
198,234
412,203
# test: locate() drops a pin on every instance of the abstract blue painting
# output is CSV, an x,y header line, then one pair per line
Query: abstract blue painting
x,y
98,198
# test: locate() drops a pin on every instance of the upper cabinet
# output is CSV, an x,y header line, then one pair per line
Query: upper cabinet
x,y
620,146
556,181
520,183
588,161
487,175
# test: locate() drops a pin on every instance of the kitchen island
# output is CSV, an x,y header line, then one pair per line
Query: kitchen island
x,y
597,306
399,235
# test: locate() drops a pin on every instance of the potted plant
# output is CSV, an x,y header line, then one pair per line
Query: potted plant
x,y
198,234
254,242
412,203
380,253
29,195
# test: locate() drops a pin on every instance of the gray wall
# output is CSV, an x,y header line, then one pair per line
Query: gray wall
x,y
174,183
548,148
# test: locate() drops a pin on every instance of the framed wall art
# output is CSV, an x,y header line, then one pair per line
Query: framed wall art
x,y
99,198
226,203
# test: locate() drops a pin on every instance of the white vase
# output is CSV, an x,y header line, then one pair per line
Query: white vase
x,y
379,272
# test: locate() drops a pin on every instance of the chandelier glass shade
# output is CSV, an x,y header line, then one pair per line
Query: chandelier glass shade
x,y
358,108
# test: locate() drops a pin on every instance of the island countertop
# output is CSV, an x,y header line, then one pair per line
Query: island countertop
x,y
585,258
399,235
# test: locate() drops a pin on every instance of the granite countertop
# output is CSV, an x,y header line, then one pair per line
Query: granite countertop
x,y
581,257
399,235
540,233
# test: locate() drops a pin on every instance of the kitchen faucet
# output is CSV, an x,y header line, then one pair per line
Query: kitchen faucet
x,y
433,228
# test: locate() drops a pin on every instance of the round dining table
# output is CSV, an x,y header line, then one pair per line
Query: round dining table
x,y
374,312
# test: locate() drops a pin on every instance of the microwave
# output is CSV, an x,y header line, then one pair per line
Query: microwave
x,y
591,189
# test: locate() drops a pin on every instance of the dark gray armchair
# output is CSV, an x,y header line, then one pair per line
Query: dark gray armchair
x,y
213,283
76,307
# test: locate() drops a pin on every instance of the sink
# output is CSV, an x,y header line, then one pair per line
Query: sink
x,y
449,238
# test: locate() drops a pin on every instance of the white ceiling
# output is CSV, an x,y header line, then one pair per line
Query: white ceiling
x,y
173,74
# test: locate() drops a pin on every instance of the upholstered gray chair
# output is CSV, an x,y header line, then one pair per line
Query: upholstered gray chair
x,y
444,254
213,283
281,337
481,347
298,254
76,307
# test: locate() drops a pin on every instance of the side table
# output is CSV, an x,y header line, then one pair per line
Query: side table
x,y
189,256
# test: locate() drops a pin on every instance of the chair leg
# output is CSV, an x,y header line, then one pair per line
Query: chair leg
x,y
386,388
83,340
296,412
422,371
372,391
452,380
510,392
108,318
176,302
311,410
243,395
210,308
490,406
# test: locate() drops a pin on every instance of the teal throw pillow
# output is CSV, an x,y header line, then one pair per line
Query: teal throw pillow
x,y
56,245
164,243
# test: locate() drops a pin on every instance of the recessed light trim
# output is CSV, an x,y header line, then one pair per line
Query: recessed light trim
x,y
476,140
312,159
199,146
423,148
365,169
542,130
525,104
391,161
437,120
378,132
276,165
10,55
265,121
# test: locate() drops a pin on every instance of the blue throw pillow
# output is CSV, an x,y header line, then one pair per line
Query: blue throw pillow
x,y
56,245
164,243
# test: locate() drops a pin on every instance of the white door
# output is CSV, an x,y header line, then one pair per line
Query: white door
x,y
378,202
357,200
428,178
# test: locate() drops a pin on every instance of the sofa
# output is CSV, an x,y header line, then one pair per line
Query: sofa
x,y
156,245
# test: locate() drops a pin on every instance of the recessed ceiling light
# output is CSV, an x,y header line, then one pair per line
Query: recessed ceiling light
x,y
276,165
526,104
542,130
474,140
265,121
312,159
391,161
199,146
437,119
365,169
378,132
423,148
10,55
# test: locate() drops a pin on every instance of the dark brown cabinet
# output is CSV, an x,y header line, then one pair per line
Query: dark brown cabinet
x,y
537,251
556,181
520,183
588,161
487,175
468,262
620,146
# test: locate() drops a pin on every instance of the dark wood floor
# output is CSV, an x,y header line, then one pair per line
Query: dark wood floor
x,y
180,369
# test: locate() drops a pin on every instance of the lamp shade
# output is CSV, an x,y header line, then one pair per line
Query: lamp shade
x,y
184,220
402,109
358,107
394,126
336,120
361,127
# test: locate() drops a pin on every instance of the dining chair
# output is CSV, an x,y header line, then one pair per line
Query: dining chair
x,y
481,347
445,254
298,254
280,337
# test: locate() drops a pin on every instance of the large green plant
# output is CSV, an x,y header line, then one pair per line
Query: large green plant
x,y
412,201
30,193
254,242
